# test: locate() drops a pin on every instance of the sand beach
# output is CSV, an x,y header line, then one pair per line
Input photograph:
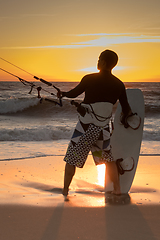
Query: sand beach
x,y
33,208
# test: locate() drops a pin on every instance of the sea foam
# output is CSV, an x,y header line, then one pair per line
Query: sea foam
x,y
13,105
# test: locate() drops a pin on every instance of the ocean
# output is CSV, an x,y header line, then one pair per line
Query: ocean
x,y
30,128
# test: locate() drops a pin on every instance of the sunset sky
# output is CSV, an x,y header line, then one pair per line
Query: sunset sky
x,y
61,40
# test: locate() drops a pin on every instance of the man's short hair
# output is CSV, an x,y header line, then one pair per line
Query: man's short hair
x,y
110,57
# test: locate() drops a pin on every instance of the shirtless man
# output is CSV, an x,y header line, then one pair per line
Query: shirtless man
x,y
102,90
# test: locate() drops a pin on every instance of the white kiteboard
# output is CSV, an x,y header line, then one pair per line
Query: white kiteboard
x,y
126,142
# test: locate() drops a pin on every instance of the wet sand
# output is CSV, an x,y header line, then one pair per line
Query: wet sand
x,y
32,206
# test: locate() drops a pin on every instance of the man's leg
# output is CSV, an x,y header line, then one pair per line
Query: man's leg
x,y
69,173
113,173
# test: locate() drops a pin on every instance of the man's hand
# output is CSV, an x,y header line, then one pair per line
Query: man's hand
x,y
59,94
123,118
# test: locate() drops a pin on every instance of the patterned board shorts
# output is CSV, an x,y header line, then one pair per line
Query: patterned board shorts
x,y
86,138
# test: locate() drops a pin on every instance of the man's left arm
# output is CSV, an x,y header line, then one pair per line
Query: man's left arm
x,y
126,109
73,93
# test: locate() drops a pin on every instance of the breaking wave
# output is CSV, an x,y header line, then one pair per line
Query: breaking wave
x,y
40,133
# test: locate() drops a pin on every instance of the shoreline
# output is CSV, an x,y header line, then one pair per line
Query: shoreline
x,y
62,155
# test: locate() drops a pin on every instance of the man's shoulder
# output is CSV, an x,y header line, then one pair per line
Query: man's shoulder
x,y
90,75
118,81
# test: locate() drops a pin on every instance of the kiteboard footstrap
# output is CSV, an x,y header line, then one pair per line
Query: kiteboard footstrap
x,y
133,121
125,165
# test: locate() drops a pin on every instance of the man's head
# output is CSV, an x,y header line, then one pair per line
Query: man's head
x,y
107,60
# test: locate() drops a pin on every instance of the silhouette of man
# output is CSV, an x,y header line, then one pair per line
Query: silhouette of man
x,y
92,133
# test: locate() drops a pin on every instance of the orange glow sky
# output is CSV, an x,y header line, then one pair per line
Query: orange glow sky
x,y
61,40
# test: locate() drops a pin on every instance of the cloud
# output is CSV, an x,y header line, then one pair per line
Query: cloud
x,y
99,34
108,41
105,41
94,69
28,15
37,15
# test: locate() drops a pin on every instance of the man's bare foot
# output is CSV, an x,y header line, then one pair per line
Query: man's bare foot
x,y
65,192
116,192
